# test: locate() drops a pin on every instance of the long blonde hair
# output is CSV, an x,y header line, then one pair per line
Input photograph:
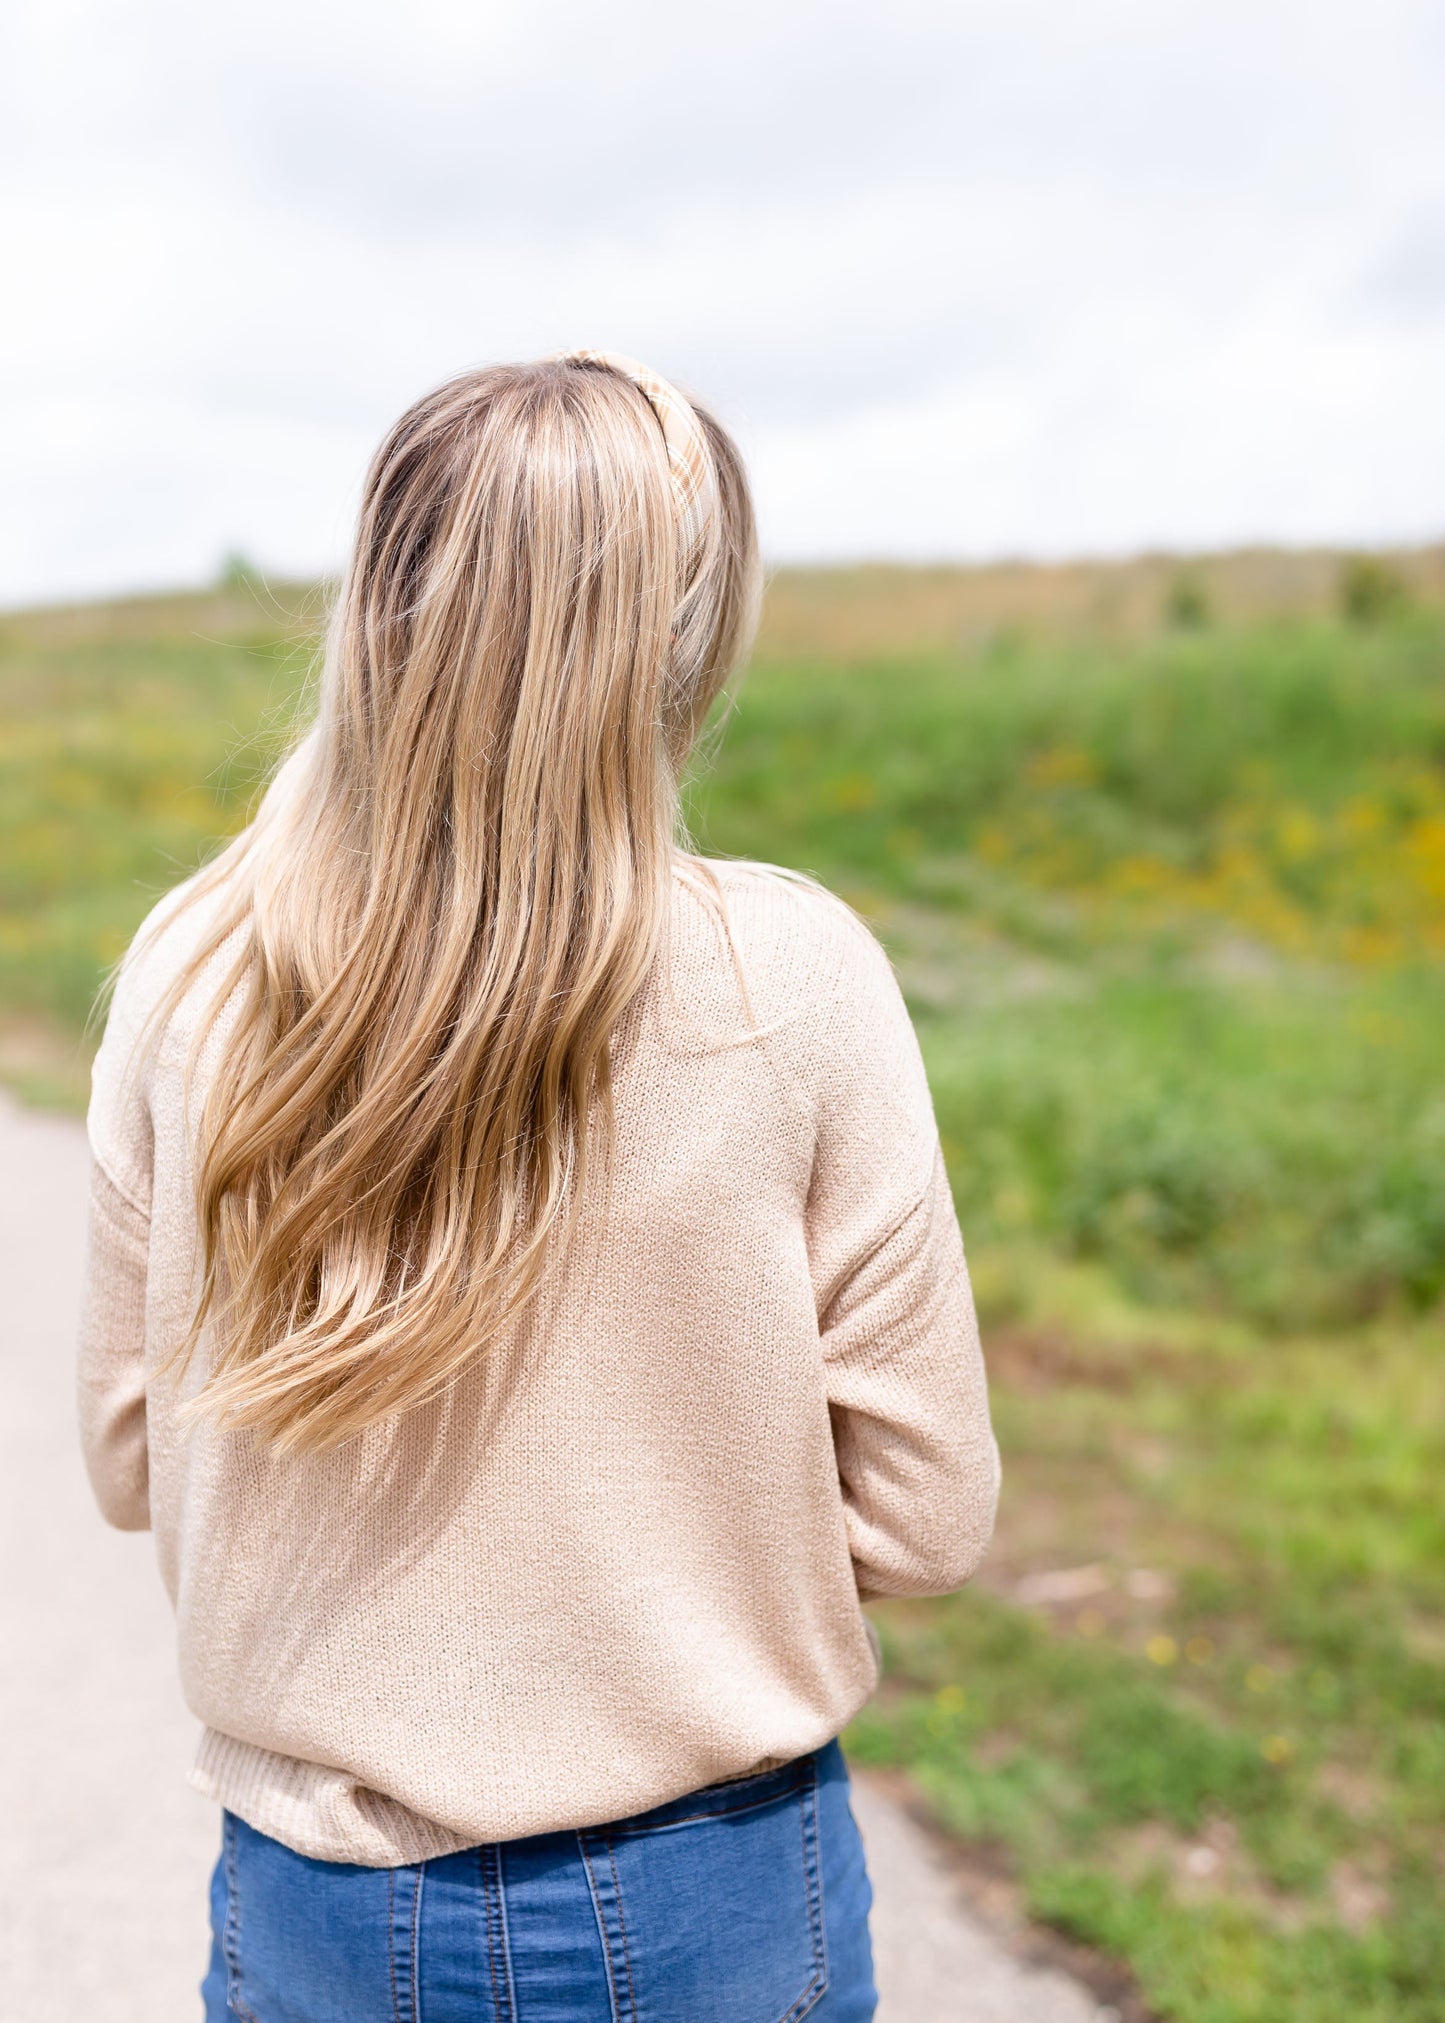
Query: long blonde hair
x,y
454,889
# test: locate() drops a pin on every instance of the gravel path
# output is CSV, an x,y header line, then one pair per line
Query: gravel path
x,y
104,1849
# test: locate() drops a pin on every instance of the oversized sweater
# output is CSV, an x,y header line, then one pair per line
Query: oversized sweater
x,y
622,1556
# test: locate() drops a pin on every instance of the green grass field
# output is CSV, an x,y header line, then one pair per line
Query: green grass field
x,y
1169,907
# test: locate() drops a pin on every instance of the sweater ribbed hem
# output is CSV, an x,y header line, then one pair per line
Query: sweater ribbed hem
x,y
318,1811
328,1814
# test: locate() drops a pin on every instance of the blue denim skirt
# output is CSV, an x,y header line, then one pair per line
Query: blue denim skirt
x,y
743,1903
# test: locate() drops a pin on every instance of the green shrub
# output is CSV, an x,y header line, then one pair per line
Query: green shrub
x,y
1186,603
1370,590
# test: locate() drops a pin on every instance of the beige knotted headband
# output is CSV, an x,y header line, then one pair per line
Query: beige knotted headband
x,y
694,481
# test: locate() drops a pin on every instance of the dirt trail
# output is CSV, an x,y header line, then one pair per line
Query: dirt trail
x,y
104,1849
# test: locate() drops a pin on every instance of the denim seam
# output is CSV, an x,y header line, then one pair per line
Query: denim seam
x,y
813,1886
231,1935
490,1910
504,1996
405,1991
505,1928
622,1927
602,1932
391,1943
416,1944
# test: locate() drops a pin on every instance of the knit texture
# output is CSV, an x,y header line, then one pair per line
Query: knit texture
x,y
622,1556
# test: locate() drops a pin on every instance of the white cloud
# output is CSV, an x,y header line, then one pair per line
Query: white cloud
x,y
1041,276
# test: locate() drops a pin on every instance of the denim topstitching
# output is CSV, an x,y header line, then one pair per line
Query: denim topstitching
x,y
603,1934
231,1936
813,1886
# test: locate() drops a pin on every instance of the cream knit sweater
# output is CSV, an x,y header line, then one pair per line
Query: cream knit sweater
x,y
622,1557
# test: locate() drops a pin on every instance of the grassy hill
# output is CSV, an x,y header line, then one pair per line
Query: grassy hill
x,y
1159,848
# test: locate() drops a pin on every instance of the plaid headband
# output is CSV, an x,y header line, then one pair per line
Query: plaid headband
x,y
694,481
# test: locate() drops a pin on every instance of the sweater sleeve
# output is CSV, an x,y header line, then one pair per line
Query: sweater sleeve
x,y
111,1367
110,1371
917,1461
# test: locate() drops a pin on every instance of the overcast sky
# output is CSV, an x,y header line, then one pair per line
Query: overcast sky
x,y
968,279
